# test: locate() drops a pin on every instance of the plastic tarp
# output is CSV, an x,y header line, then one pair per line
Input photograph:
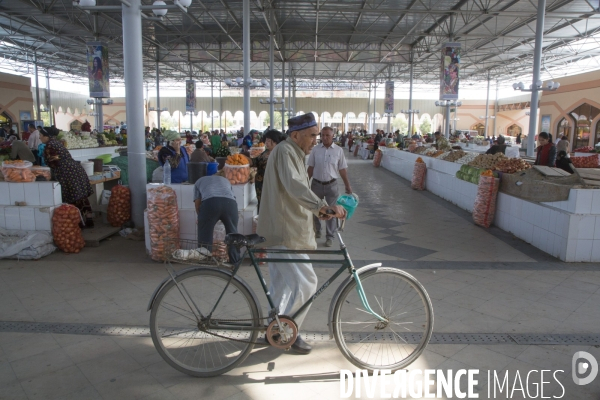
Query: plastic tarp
x,y
24,245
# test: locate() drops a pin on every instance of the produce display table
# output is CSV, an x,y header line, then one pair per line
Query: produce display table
x,y
569,230
41,198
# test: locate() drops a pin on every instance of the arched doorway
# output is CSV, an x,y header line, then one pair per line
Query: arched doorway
x,y
581,119
513,130
479,127
565,127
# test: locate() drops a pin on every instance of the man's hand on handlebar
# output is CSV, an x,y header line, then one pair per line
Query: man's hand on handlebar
x,y
326,213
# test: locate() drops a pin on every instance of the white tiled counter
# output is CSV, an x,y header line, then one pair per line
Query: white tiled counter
x,y
188,221
86,154
40,197
569,230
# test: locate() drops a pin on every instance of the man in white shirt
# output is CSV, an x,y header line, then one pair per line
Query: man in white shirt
x,y
34,138
324,163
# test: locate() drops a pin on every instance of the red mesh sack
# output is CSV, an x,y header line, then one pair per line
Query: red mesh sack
x,y
65,229
163,222
377,158
119,206
484,208
418,178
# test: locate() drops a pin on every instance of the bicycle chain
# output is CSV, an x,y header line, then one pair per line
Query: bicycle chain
x,y
232,339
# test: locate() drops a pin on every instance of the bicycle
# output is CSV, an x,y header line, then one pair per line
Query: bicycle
x,y
204,321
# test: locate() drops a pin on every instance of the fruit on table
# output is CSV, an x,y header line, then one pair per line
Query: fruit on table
x,y
419,160
237,174
260,144
467,158
487,161
455,155
585,162
584,149
236,159
512,165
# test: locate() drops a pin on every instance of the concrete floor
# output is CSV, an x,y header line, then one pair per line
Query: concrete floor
x,y
480,281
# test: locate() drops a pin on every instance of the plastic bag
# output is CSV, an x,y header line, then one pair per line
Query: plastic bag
x,y
237,174
418,178
65,229
163,222
23,245
485,202
219,249
256,151
349,202
17,171
119,206
42,171
377,158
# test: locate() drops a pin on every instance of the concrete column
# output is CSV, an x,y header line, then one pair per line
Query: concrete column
x,y
496,108
374,119
48,98
158,112
368,127
271,78
246,59
212,106
37,87
487,107
134,100
447,121
410,93
283,96
537,62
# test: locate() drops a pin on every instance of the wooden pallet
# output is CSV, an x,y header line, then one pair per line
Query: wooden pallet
x,y
99,232
550,171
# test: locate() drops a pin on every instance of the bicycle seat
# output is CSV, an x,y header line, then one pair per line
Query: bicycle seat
x,y
239,240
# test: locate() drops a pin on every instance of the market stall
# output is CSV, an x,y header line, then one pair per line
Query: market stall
x,y
565,229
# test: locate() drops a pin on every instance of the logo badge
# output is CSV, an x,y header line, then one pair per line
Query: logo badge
x,y
584,367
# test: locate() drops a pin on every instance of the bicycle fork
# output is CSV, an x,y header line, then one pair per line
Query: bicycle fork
x,y
359,288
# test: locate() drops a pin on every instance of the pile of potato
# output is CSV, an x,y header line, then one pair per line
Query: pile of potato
x,y
487,161
512,165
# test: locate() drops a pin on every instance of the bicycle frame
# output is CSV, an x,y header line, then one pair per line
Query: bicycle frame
x,y
346,264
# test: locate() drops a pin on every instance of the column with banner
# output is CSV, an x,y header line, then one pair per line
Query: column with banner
x,y
388,104
450,71
98,72
190,101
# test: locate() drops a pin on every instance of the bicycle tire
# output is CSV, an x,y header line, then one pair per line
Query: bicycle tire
x,y
382,348
174,328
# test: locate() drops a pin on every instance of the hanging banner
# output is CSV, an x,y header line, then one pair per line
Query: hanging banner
x,y
97,62
450,71
389,98
190,95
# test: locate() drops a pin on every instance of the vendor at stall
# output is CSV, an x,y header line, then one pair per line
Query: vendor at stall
x,y
200,155
500,147
272,138
441,143
20,151
215,201
176,155
546,151
74,182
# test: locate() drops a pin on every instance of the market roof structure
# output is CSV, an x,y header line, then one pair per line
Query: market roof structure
x,y
331,45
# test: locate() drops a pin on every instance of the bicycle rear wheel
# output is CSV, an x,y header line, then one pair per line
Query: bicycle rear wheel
x,y
175,329
367,342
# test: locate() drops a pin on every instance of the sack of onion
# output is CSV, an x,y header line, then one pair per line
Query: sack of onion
x,y
65,229
377,158
485,202
418,178
163,222
119,206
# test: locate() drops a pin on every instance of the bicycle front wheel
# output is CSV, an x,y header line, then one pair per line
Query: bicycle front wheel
x,y
372,344
176,331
